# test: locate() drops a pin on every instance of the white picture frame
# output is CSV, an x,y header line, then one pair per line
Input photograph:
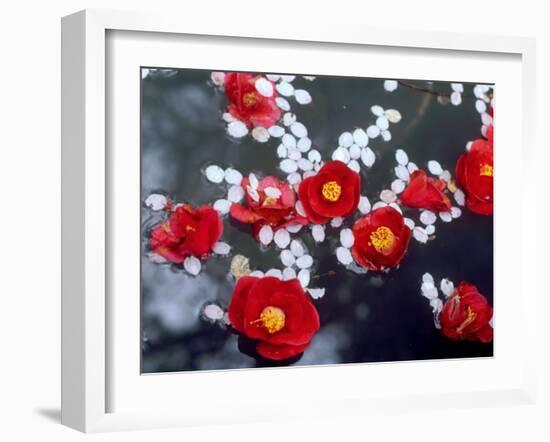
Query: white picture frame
x,y
85,214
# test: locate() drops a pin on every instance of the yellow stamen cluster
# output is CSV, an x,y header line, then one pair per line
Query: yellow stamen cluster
x,y
331,191
470,317
249,99
382,239
486,170
272,319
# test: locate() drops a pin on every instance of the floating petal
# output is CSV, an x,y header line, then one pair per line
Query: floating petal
x,y
214,174
192,265
265,235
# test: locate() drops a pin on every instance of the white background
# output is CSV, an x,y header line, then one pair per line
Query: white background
x,y
30,221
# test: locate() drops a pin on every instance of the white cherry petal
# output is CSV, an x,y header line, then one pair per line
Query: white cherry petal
x,y
447,287
213,312
192,265
427,277
265,235
253,193
285,89
304,277
364,205
456,98
273,77
253,180
396,207
428,217
217,78
378,205
272,192
282,103
354,165
481,107
373,131
289,78
294,178
222,206
289,118
282,238
360,137
420,234
386,135
346,238
302,96
314,156
390,85
393,115
345,139
387,196
344,256
341,154
156,258
336,221
294,227
214,174
430,229
368,157
304,164
409,223
401,157
354,152
377,110
156,201
435,168
457,87
318,232
382,122
237,129
221,248
297,248
233,176
282,151
294,154
300,209
287,258
402,173
264,87
298,129
398,186
276,131
445,176
304,262
456,212
429,290
304,144
235,194
412,167
288,141
459,197
257,274
288,274
446,217
316,293
289,166
227,117
275,273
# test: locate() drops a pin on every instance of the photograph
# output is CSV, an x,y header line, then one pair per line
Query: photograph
x,y
303,220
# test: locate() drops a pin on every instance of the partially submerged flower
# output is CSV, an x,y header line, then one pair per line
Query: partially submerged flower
x,y
247,104
187,232
424,192
267,202
466,315
381,239
474,174
333,192
278,314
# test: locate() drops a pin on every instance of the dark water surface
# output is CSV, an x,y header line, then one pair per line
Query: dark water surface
x,y
364,318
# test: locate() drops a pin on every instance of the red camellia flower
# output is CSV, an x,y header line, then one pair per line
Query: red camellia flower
x,y
334,191
247,104
474,174
381,239
466,315
424,192
188,232
272,202
278,314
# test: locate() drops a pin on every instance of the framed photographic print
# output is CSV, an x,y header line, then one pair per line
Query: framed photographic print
x,y
290,223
